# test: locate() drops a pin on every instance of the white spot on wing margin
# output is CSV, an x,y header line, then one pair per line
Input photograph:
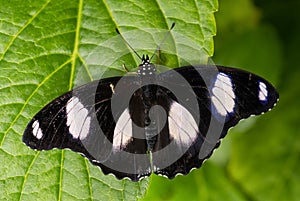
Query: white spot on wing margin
x,y
263,92
37,132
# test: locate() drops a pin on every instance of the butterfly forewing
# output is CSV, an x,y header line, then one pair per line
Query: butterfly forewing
x,y
71,120
243,93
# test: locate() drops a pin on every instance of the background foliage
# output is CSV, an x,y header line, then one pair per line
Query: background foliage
x,y
43,46
259,159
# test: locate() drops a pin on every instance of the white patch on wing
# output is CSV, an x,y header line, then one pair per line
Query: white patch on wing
x,y
182,125
112,87
263,92
37,132
123,130
223,94
77,119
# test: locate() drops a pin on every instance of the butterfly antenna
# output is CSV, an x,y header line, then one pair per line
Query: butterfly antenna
x,y
117,30
164,39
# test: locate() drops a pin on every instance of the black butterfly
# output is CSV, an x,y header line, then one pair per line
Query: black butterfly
x,y
166,123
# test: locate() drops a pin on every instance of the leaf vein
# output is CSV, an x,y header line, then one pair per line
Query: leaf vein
x,y
23,28
30,96
62,159
165,19
26,174
89,180
76,43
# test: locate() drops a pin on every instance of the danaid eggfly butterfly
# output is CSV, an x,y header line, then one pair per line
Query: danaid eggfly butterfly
x,y
166,123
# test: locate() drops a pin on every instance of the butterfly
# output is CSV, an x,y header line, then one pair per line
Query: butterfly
x,y
167,123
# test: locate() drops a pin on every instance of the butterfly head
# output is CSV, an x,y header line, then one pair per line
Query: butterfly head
x,y
146,68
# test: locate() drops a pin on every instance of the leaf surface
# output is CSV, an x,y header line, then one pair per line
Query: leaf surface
x,y
47,48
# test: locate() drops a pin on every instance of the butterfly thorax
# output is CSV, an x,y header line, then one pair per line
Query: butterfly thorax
x,y
146,69
146,73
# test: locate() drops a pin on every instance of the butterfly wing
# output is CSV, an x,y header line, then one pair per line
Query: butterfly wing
x,y
223,97
234,93
105,120
83,121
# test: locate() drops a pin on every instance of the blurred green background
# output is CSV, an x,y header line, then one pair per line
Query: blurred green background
x,y
260,158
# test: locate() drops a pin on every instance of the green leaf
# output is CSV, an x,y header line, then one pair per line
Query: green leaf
x,y
208,183
264,154
265,158
46,48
